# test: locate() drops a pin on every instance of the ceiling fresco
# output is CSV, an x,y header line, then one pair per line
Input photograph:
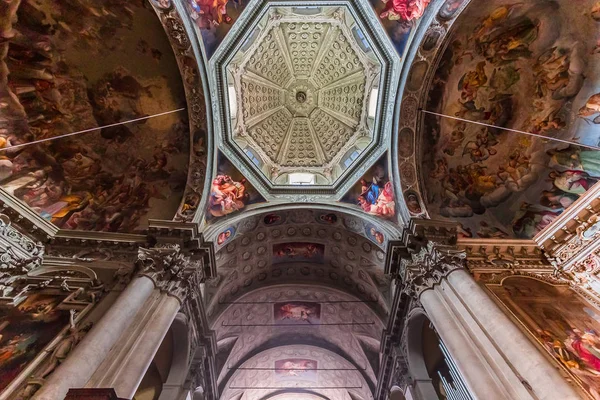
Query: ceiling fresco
x,y
230,192
272,317
531,66
374,193
399,18
214,18
298,366
63,70
296,247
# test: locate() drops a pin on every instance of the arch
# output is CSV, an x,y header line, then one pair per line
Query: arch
x,y
348,219
258,374
259,307
417,365
178,371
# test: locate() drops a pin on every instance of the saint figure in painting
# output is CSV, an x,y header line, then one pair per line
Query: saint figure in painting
x,y
211,11
376,199
404,10
227,195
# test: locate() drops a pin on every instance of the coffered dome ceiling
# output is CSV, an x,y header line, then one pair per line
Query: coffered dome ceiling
x,y
301,94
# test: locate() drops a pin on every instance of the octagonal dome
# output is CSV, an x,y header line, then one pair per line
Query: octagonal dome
x,y
302,100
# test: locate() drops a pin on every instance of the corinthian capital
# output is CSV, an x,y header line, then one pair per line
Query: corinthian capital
x,y
171,270
429,266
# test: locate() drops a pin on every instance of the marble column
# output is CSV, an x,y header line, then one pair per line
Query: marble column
x,y
83,361
521,353
480,382
175,277
494,357
133,370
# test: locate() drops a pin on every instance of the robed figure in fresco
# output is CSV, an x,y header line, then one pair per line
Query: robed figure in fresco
x,y
227,195
404,10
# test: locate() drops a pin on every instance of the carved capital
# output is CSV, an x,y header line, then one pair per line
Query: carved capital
x,y
427,267
401,374
171,270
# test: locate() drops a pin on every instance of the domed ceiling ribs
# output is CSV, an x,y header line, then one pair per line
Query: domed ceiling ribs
x,y
303,92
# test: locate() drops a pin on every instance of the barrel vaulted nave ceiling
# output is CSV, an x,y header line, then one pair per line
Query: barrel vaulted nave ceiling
x,y
303,149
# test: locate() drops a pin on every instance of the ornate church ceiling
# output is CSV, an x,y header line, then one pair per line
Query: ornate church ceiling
x,y
303,90
301,93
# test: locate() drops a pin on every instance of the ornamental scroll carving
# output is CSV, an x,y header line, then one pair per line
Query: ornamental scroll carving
x,y
427,267
171,270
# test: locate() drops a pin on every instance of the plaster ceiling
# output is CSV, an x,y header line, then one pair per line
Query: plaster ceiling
x,y
300,93
303,91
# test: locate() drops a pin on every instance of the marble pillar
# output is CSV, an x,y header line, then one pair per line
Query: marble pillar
x,y
543,377
134,368
83,361
471,364
493,356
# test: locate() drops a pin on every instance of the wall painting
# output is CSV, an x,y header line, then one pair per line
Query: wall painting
x,y
532,66
298,252
563,323
297,312
25,331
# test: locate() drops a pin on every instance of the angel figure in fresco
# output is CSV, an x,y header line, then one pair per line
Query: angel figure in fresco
x,y
482,147
496,17
470,83
509,44
404,10
227,195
